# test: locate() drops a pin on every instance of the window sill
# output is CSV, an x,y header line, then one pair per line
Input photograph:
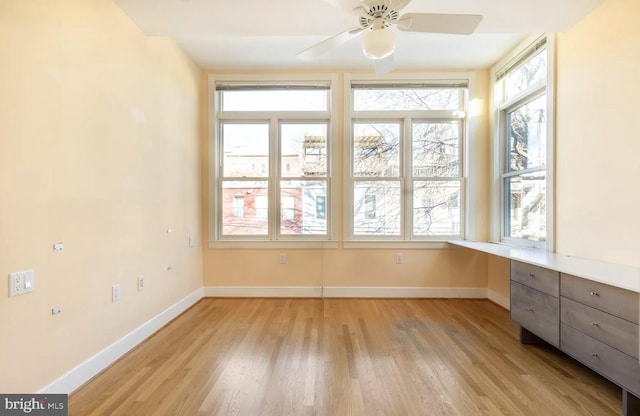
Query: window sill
x,y
270,244
431,245
328,244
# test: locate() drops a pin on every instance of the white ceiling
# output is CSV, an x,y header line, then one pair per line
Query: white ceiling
x,y
267,35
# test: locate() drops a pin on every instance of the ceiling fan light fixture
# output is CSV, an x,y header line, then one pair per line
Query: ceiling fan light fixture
x,y
379,43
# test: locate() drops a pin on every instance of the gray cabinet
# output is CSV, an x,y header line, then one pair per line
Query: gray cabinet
x,y
595,323
535,304
599,327
607,298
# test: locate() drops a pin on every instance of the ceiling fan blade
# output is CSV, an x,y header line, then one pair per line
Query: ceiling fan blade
x,y
457,24
346,5
384,65
398,5
361,12
328,44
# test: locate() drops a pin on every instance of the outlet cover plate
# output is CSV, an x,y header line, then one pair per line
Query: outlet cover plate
x,y
21,283
115,293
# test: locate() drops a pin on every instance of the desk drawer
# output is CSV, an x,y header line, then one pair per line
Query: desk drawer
x,y
613,331
536,311
613,300
539,278
618,367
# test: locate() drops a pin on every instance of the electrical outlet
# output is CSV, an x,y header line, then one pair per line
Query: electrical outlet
x,y
21,283
140,283
115,293
282,258
399,258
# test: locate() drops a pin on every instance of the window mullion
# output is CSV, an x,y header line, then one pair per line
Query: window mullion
x,y
524,97
274,179
513,173
406,147
290,115
363,115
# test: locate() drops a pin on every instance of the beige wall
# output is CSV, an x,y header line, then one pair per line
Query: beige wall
x,y
498,276
367,267
442,268
99,149
598,142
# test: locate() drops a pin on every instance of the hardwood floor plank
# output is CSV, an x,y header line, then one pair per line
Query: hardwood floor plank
x,y
327,357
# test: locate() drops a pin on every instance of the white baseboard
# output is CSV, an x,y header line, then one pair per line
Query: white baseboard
x,y
405,292
344,292
499,299
263,291
85,371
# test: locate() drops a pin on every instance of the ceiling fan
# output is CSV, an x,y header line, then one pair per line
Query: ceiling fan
x,y
377,17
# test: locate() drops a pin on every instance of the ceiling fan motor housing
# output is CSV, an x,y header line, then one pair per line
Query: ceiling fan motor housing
x,y
380,11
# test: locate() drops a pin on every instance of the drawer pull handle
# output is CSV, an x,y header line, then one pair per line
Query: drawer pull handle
x,y
595,324
531,310
532,275
594,293
595,355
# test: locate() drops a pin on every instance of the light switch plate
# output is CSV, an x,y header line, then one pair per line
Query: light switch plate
x,y
21,283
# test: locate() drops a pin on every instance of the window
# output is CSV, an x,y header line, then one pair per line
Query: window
x,y
370,207
272,165
238,206
321,207
524,122
405,157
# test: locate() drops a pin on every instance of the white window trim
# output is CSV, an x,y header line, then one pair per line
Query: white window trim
x,y
306,242
499,147
468,185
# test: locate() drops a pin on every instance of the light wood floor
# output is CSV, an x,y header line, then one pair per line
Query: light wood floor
x,y
337,357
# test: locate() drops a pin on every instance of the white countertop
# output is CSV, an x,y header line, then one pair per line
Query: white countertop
x,y
625,277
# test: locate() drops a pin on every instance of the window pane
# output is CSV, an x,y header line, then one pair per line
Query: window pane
x,y
525,198
527,135
262,206
303,207
288,202
436,208
531,73
435,149
376,149
321,207
275,100
238,206
304,150
246,150
243,206
377,208
405,99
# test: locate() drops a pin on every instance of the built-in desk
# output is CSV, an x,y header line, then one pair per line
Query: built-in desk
x,y
586,308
